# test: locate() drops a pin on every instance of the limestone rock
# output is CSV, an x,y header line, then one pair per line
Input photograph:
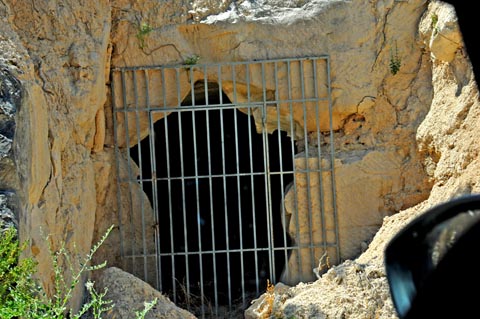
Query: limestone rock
x,y
359,209
58,54
61,54
448,136
243,33
129,293
263,307
445,35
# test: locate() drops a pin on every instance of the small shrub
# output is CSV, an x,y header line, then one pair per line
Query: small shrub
x,y
17,288
148,306
395,61
58,304
21,296
192,60
143,30
433,23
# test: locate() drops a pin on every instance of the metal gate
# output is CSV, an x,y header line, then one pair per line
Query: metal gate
x,y
225,178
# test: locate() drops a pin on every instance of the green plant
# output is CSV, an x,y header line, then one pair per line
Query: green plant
x,y
16,283
143,30
433,23
148,305
21,296
192,60
395,61
64,287
97,304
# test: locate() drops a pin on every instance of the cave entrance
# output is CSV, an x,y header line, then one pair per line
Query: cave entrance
x,y
223,209
229,179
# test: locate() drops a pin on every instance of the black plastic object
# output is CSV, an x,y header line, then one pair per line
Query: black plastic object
x,y
432,264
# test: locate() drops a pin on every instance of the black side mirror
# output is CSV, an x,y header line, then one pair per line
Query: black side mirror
x,y
431,265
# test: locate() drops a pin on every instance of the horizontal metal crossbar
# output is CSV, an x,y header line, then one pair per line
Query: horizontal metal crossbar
x,y
220,251
218,64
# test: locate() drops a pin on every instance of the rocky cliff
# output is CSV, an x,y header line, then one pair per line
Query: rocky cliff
x,y
406,112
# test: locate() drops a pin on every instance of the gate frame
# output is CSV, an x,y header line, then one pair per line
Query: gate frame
x,y
124,110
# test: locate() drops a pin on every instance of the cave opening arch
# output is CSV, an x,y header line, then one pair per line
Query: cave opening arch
x,y
220,189
286,104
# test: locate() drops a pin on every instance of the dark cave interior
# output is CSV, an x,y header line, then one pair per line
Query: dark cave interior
x,y
213,201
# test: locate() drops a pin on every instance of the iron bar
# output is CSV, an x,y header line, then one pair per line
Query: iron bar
x,y
245,105
129,169
282,186
117,167
230,63
295,196
266,165
224,251
307,160
140,178
332,158
252,183
227,238
319,159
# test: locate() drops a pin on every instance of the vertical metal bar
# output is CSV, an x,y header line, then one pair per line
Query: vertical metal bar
x,y
237,164
169,187
319,158
220,86
280,157
268,196
234,82
205,84
332,160
252,183
307,162
192,86
117,165
182,177
153,174
140,178
129,168
295,197
225,199
199,217
212,213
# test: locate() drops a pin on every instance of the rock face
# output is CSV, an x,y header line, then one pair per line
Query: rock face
x,y
357,209
7,210
402,93
448,137
11,94
375,112
10,99
58,52
129,293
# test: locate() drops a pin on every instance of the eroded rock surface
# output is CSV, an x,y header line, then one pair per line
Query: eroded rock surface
x,y
129,293
417,125
448,136
375,113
